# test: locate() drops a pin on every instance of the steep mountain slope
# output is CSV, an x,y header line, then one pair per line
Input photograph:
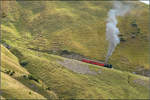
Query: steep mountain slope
x,y
78,26
67,83
36,33
14,89
15,80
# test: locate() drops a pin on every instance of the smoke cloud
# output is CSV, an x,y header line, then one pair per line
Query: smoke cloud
x,y
112,31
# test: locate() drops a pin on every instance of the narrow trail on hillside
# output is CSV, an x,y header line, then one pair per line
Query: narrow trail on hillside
x,y
77,67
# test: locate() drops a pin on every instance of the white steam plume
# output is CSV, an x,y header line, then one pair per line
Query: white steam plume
x,y
112,30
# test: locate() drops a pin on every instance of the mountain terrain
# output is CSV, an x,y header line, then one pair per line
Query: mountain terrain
x,y
43,42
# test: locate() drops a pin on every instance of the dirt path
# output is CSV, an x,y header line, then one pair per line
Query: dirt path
x,y
77,67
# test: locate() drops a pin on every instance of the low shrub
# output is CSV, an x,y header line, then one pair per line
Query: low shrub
x,y
30,93
4,15
48,88
25,76
133,23
122,39
31,77
64,52
23,63
9,72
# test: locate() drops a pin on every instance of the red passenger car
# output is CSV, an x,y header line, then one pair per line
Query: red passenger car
x,y
97,63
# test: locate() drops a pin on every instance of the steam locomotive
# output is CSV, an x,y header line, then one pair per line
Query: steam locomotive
x,y
97,63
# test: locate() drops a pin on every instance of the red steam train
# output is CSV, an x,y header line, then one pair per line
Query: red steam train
x,y
97,63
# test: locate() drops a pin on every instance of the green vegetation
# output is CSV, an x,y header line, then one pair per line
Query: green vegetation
x,y
15,85
36,34
9,72
31,77
109,83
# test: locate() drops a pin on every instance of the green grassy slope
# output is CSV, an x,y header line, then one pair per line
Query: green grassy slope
x,y
17,86
78,27
13,89
109,83
53,26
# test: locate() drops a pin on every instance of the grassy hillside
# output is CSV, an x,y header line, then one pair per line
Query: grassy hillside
x,y
16,81
106,83
52,26
14,89
35,34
